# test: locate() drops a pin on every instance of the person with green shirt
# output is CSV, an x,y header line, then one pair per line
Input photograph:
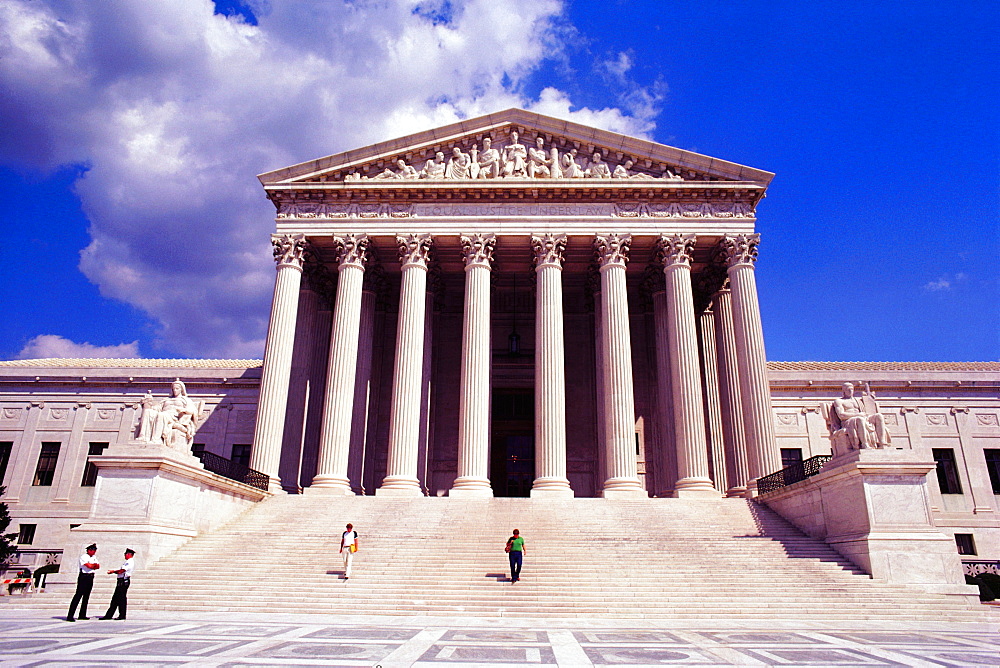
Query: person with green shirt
x,y
515,552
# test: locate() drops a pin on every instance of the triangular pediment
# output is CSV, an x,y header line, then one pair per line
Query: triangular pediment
x,y
523,145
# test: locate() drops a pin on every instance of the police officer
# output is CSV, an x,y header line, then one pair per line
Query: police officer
x,y
118,601
84,582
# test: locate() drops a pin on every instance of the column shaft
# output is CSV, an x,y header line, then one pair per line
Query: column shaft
x,y
338,409
755,391
550,371
713,409
685,372
664,401
269,429
474,402
733,433
404,420
619,400
362,393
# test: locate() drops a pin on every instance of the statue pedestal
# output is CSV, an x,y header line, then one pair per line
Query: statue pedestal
x,y
873,507
152,499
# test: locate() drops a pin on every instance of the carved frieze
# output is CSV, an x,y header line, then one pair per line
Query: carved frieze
x,y
640,209
986,419
11,413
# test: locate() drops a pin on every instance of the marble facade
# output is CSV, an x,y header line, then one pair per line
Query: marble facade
x,y
455,314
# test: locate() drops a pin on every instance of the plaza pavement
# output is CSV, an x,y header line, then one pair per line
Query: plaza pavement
x,y
41,638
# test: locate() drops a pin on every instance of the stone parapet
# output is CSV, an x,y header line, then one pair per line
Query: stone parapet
x,y
873,507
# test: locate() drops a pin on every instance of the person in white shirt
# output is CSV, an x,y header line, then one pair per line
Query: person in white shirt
x,y
348,546
119,600
84,582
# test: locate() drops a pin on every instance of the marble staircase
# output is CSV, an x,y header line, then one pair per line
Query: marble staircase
x,y
655,559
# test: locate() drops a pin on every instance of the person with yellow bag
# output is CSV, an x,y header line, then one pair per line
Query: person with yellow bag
x,y
348,546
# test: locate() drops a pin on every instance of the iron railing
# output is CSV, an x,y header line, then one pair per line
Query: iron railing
x,y
974,568
791,474
233,470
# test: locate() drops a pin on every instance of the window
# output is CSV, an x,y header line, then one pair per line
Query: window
x,y
947,471
26,534
5,448
241,454
790,457
46,465
197,449
993,467
965,543
90,471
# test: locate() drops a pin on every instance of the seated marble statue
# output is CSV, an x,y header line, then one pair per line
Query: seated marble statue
x,y
171,422
539,162
669,175
434,168
598,169
458,165
570,168
404,171
487,161
855,422
515,157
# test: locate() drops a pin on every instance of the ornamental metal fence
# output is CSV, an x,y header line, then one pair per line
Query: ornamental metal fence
x,y
233,470
792,474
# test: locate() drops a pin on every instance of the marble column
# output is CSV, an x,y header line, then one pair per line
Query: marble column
x,y
594,286
374,278
474,402
404,419
664,404
616,352
338,408
289,252
685,373
758,416
550,370
713,409
733,433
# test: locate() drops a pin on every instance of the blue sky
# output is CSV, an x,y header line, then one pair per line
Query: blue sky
x,y
131,134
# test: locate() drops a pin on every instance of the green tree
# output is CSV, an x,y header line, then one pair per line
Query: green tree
x,y
7,545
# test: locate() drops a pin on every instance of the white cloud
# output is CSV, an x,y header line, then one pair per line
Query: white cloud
x,y
946,282
47,346
175,109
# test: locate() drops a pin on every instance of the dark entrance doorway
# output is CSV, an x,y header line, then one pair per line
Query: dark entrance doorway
x,y
512,469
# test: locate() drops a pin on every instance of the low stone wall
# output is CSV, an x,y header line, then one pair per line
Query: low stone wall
x,y
873,507
152,499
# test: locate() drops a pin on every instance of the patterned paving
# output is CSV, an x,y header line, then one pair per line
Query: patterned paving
x,y
312,640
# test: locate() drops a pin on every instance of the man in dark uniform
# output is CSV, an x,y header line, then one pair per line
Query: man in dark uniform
x,y
118,601
84,582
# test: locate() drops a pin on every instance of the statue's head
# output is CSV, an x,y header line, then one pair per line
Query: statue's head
x,y
539,142
400,163
848,389
486,143
628,164
440,156
513,136
457,152
177,389
597,156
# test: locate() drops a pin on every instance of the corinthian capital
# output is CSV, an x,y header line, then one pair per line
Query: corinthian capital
x,y
477,249
548,249
352,249
289,249
739,249
612,249
675,249
415,249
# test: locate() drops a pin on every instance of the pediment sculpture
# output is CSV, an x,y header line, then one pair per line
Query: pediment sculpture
x,y
514,160
855,423
171,421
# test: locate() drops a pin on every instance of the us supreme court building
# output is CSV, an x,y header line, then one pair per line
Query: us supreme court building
x,y
512,305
